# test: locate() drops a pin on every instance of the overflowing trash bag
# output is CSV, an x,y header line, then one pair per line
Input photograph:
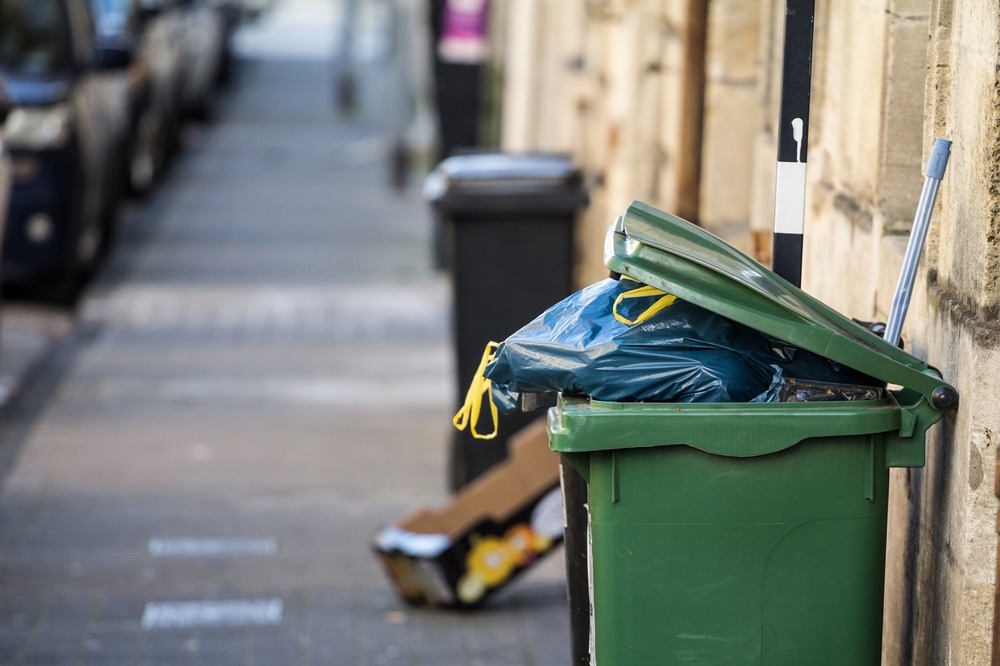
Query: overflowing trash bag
x,y
621,341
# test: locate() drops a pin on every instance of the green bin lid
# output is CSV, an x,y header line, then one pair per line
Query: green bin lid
x,y
664,251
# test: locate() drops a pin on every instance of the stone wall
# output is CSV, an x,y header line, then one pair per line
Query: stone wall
x,y
883,91
674,102
732,118
619,83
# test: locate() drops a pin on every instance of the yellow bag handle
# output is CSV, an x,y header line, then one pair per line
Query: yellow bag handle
x,y
644,291
468,415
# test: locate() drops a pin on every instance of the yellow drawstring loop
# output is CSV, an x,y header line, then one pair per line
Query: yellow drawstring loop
x,y
468,415
644,291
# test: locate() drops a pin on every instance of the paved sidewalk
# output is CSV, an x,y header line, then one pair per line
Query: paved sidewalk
x,y
28,334
261,380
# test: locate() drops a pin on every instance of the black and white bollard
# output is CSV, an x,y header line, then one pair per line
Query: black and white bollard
x,y
793,136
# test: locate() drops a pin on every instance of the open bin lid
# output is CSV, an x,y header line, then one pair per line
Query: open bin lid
x,y
667,252
506,183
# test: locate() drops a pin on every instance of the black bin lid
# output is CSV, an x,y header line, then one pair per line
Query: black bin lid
x,y
506,184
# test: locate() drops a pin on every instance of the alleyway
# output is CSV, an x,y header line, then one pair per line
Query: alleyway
x,y
260,381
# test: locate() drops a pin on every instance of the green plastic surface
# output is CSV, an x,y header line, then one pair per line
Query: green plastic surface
x,y
665,251
701,559
742,533
734,534
580,426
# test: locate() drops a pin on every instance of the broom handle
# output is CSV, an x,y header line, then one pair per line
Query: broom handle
x,y
918,234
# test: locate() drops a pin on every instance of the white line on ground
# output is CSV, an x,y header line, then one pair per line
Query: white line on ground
x,y
211,547
222,613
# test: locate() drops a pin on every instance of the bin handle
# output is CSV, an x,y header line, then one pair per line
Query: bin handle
x,y
468,415
644,291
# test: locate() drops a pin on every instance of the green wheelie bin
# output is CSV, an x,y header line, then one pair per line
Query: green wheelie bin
x,y
743,533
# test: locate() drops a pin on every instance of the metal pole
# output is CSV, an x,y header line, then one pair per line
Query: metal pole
x,y
918,234
793,139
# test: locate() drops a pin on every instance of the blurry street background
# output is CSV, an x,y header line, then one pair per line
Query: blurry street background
x,y
259,380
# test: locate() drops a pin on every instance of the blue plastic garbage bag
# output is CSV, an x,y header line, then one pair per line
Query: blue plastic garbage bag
x,y
681,353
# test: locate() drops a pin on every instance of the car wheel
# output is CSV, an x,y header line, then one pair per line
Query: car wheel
x,y
399,166
63,287
145,158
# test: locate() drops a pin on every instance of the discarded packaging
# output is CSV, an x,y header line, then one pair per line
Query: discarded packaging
x,y
492,531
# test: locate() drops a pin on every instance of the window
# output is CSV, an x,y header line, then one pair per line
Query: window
x,y
33,36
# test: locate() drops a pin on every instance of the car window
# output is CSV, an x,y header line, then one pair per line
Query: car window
x,y
111,6
33,36
112,16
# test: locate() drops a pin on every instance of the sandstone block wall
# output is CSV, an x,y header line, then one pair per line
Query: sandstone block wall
x,y
674,102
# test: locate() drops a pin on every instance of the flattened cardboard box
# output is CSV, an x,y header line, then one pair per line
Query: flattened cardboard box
x,y
493,530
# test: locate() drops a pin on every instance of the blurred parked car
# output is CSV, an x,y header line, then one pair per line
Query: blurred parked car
x,y
66,132
5,165
205,43
153,32
232,14
253,9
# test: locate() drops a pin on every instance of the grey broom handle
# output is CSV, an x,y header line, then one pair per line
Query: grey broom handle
x,y
918,234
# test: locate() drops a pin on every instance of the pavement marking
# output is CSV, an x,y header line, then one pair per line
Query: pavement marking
x,y
424,392
403,391
363,312
221,613
211,547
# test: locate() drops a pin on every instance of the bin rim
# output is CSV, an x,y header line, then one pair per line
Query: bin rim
x,y
582,425
665,251
493,166
506,182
